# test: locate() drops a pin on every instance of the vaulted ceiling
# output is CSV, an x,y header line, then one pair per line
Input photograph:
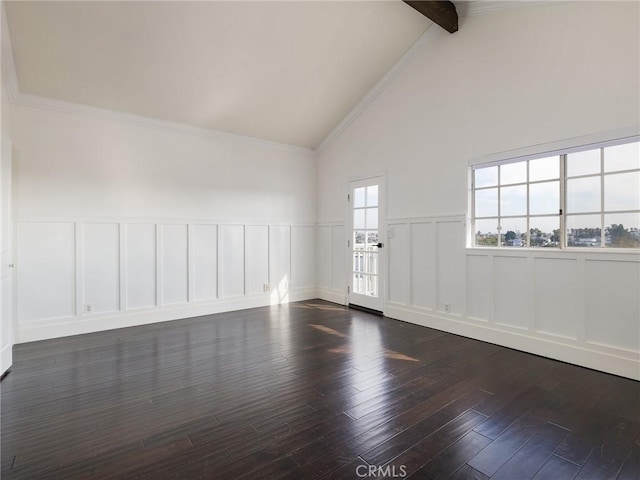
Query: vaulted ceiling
x,y
286,72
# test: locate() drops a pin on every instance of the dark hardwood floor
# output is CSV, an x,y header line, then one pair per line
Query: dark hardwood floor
x,y
308,391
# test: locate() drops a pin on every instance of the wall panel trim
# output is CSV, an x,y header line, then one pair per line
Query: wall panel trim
x,y
618,361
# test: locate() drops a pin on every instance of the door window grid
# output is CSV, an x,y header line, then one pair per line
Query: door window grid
x,y
365,240
614,222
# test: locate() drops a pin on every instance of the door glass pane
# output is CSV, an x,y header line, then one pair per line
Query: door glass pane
x,y
544,198
622,230
544,169
371,285
485,177
513,200
371,263
358,240
358,218
514,232
358,197
513,173
358,261
358,283
372,196
583,231
372,218
487,203
583,195
622,157
583,163
544,231
622,191
486,233
372,238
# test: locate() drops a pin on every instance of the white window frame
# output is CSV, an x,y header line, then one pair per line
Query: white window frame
x,y
560,149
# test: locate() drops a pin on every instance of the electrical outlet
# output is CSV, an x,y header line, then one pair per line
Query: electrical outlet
x,y
266,287
88,309
447,307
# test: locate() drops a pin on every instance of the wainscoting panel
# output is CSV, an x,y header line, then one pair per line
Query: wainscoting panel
x,y
279,260
256,258
398,258
325,257
450,238
613,303
479,287
175,264
141,272
231,260
101,267
339,241
46,271
204,261
86,276
303,256
422,264
577,306
557,284
511,295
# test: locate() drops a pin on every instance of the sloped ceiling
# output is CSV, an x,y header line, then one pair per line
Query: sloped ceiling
x,y
286,72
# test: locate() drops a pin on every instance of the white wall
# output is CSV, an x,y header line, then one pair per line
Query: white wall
x,y
121,224
507,80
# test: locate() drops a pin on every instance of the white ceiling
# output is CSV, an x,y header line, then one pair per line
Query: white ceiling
x,y
286,72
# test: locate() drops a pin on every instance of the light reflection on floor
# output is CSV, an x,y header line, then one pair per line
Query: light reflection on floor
x,y
365,343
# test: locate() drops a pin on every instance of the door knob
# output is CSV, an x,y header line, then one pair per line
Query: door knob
x,y
379,245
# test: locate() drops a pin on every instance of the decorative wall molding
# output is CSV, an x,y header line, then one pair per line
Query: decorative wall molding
x,y
540,301
66,326
80,277
617,361
332,295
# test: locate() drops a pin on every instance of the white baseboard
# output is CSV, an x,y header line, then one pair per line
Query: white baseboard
x,y
620,362
64,327
331,295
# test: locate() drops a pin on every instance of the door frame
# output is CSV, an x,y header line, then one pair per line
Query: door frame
x,y
382,229
6,261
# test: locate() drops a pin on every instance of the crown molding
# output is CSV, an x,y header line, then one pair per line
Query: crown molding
x,y
9,74
379,87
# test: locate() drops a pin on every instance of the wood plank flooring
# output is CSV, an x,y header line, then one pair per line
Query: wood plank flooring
x,y
309,390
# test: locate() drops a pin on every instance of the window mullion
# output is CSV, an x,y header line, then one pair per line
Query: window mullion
x,y
473,207
528,232
499,218
602,235
563,202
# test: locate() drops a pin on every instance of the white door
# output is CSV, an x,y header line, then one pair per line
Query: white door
x,y
6,269
366,247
